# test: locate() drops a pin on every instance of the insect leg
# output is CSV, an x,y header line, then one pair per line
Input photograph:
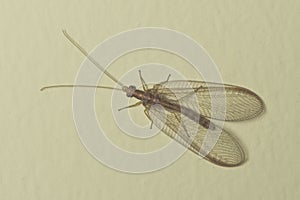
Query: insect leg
x,y
131,106
167,79
147,114
145,86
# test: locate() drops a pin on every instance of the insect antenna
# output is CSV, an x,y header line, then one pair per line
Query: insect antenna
x,y
84,52
81,86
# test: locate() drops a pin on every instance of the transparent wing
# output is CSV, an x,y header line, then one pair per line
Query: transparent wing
x,y
226,152
230,103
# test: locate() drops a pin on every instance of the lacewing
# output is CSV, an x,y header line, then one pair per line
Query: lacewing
x,y
177,120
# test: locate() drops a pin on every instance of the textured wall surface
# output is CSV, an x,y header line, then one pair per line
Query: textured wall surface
x,y
255,43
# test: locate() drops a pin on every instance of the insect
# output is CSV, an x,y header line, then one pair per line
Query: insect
x,y
168,106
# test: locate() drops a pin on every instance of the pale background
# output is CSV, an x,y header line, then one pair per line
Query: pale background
x,y
255,43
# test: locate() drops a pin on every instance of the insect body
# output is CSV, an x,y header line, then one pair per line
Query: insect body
x,y
170,105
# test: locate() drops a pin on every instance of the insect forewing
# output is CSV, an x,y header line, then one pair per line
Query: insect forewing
x,y
231,103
